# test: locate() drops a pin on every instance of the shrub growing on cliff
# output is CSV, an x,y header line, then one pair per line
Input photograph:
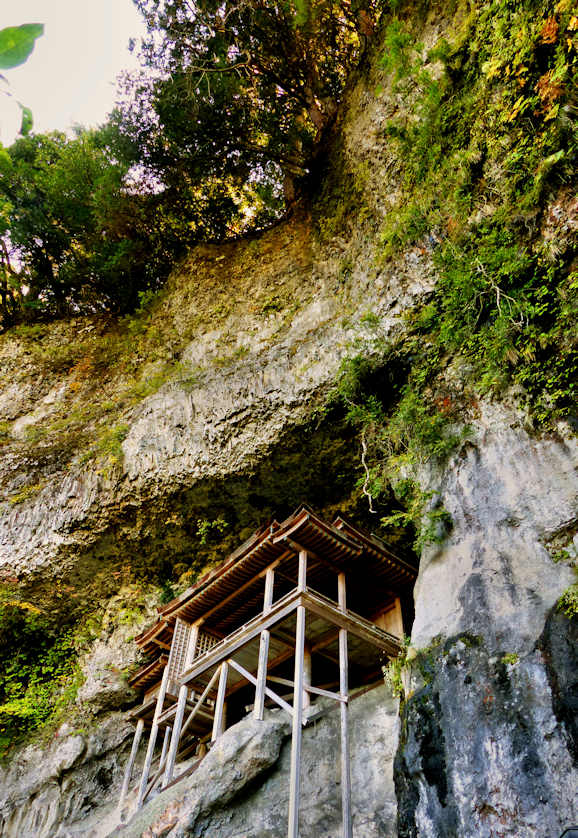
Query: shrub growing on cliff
x,y
38,666
492,138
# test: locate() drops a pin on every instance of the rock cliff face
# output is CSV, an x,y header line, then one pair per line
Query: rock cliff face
x,y
256,332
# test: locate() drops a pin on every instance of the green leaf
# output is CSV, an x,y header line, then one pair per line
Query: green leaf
x,y
27,121
17,43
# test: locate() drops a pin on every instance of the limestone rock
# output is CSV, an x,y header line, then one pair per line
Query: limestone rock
x,y
508,494
45,792
482,752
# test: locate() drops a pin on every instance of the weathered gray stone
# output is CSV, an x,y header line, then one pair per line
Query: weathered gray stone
x,y
559,645
482,752
508,494
46,793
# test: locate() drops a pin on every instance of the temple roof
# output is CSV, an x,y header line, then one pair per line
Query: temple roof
x,y
337,546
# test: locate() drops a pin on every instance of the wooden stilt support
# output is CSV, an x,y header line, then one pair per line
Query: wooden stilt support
x,y
130,764
269,693
306,676
165,747
220,703
302,577
177,725
344,689
180,712
294,783
152,738
200,700
263,650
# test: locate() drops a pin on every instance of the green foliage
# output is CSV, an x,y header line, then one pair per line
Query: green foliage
x,y
400,436
510,659
39,668
86,233
394,670
26,493
422,511
568,602
109,444
17,43
474,177
483,136
397,58
206,528
16,46
239,99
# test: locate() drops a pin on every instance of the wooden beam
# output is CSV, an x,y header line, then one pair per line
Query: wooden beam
x,y
220,704
295,777
239,638
326,693
264,649
249,584
181,707
326,639
307,671
341,592
165,747
130,763
353,623
152,738
298,548
260,684
302,578
317,648
268,692
202,697
315,690
344,692
269,589
176,737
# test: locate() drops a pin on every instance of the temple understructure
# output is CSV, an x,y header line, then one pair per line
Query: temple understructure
x,y
303,610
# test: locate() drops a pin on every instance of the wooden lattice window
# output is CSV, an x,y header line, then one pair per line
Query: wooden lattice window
x,y
179,646
204,643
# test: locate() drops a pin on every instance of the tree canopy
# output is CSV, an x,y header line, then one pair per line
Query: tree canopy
x,y
76,232
240,92
212,138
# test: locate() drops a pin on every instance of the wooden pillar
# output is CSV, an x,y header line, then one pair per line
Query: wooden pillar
x,y
344,691
181,706
302,577
294,783
218,721
165,747
129,766
307,671
178,723
153,738
264,649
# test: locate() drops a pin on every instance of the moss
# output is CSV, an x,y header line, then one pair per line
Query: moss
x,y
568,602
26,493
481,137
510,659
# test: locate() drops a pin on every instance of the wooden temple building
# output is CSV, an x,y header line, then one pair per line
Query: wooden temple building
x,y
304,609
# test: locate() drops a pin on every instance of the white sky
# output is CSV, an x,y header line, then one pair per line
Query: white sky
x,y
70,76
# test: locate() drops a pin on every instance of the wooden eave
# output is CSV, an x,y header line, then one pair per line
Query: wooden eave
x,y
397,568
150,674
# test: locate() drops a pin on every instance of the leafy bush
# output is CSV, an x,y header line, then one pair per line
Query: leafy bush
x,y
39,670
